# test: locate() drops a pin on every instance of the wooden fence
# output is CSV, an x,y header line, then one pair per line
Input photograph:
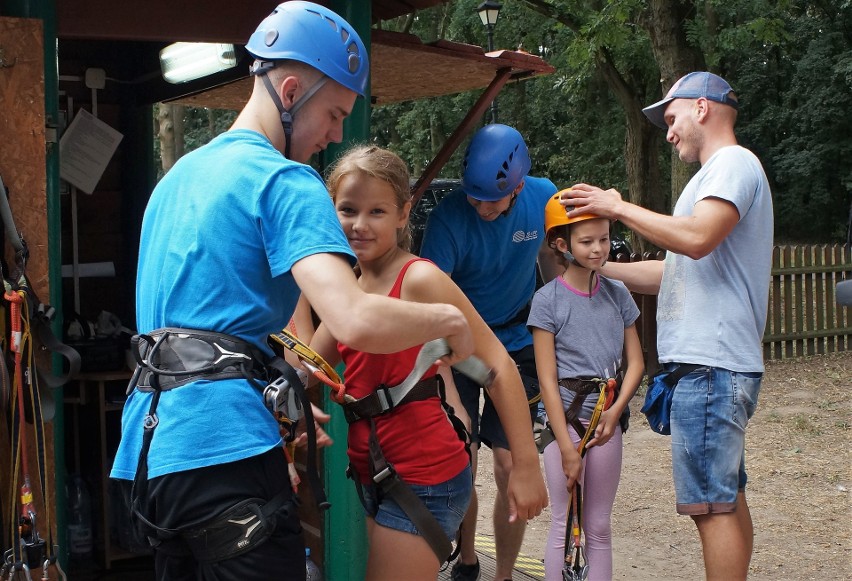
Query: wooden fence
x,y
803,316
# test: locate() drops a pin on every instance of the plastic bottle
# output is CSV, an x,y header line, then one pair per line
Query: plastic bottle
x,y
312,570
80,538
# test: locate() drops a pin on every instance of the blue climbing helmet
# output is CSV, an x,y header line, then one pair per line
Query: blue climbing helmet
x,y
313,34
496,161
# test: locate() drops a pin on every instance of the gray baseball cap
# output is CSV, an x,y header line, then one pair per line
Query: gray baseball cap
x,y
692,86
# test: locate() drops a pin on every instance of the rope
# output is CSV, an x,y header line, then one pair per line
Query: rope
x,y
575,568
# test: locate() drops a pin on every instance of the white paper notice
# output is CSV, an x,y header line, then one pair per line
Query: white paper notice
x,y
85,150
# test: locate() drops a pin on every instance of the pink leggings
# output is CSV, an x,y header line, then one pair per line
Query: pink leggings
x,y
601,473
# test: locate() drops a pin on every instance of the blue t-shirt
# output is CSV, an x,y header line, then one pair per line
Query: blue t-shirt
x,y
220,234
493,263
712,311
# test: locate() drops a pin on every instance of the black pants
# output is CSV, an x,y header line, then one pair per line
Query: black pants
x,y
192,498
486,426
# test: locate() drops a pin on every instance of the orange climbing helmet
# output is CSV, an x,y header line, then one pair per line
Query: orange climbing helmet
x,y
555,214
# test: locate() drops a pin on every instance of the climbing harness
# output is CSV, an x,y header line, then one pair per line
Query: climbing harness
x,y
576,567
384,400
169,358
27,404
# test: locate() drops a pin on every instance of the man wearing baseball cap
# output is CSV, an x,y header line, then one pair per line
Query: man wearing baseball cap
x,y
713,291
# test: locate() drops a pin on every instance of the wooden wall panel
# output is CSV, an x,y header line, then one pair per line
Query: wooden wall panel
x,y
22,138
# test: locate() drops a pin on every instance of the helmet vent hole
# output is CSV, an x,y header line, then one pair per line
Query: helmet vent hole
x,y
502,178
344,35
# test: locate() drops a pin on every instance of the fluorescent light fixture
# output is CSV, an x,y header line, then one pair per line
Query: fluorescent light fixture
x,y
186,61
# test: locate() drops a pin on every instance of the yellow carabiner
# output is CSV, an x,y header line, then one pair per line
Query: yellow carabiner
x,y
596,418
289,341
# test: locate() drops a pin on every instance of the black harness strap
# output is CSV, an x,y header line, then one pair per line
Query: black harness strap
x,y
286,370
169,358
390,484
520,317
381,401
384,475
582,388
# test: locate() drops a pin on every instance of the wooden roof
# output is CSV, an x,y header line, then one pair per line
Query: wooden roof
x,y
405,69
402,67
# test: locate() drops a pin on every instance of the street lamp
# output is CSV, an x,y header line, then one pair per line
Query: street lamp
x,y
488,12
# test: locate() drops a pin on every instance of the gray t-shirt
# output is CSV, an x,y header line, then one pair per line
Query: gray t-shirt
x,y
712,311
588,330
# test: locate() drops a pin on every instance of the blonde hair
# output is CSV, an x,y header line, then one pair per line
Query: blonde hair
x,y
381,164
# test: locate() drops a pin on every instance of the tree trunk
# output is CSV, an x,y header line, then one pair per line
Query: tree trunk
x,y
178,112
641,142
644,187
166,135
675,57
642,138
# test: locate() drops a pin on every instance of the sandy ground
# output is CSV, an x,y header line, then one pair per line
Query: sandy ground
x,y
800,473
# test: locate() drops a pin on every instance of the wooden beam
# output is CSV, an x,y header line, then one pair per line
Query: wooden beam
x,y
460,133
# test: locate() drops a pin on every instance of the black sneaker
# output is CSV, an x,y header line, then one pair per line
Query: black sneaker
x,y
462,572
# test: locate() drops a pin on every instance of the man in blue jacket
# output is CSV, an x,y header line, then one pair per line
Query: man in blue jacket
x,y
488,236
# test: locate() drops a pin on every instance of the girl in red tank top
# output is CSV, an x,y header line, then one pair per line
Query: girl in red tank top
x,y
371,192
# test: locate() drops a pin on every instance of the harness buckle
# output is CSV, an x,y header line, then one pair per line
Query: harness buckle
x,y
388,472
150,422
383,395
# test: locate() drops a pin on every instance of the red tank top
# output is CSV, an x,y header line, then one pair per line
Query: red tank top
x,y
417,438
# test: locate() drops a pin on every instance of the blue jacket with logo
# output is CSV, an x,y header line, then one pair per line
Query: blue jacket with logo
x,y
494,263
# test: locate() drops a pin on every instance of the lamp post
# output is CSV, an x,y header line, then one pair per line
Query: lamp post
x,y
489,11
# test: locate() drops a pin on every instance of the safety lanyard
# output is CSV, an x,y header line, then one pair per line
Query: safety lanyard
x,y
28,547
576,567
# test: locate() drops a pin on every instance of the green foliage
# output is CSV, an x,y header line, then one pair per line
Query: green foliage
x,y
573,127
791,66
790,62
201,125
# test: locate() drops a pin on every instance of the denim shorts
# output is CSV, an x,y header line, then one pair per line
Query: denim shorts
x,y
711,408
446,501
